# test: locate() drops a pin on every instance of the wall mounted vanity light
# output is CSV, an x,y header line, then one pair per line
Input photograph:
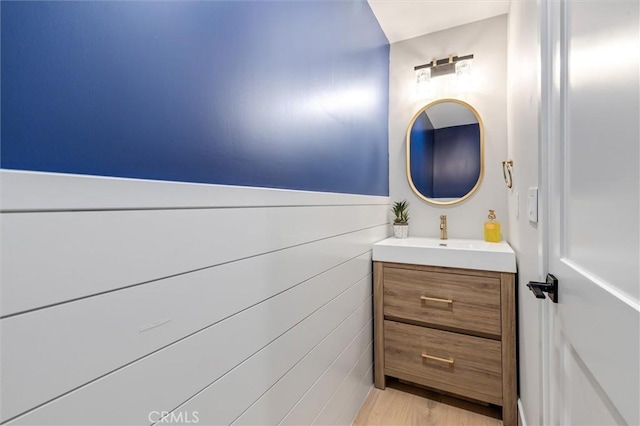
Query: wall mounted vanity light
x,y
450,65
458,65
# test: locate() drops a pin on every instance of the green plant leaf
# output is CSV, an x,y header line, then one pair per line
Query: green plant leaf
x,y
401,211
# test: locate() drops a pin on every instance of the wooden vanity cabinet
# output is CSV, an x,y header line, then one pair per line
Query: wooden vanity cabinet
x,y
448,329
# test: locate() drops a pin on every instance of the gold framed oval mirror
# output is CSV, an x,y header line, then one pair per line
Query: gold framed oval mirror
x,y
445,152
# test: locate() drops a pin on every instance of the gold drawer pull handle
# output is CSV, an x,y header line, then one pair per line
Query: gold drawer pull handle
x,y
435,299
435,358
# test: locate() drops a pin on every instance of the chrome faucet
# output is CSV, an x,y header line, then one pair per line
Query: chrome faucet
x,y
443,227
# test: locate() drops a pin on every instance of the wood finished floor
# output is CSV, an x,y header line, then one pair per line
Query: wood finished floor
x,y
402,404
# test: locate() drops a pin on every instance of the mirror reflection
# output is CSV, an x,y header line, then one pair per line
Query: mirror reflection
x,y
445,152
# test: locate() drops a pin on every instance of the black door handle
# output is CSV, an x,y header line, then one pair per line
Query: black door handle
x,y
551,287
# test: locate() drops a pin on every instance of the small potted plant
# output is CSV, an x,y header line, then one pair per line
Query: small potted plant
x,y
401,221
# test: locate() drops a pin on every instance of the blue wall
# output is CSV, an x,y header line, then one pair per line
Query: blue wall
x,y
421,166
456,164
445,162
272,94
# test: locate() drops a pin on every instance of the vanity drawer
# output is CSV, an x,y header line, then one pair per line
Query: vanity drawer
x,y
458,301
453,362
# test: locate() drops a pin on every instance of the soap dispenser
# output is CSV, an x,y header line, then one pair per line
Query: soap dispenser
x,y
492,229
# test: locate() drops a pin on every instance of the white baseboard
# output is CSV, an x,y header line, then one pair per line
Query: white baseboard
x,y
362,404
521,418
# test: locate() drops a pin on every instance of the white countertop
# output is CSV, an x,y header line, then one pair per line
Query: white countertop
x,y
454,253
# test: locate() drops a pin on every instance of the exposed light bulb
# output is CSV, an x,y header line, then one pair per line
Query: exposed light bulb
x,y
463,68
464,81
423,83
423,76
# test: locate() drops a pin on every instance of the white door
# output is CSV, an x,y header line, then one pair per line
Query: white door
x,y
593,112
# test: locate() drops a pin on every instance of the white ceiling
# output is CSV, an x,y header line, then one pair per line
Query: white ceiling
x,y
449,114
404,19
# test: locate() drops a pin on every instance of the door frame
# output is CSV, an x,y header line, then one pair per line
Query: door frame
x,y
548,100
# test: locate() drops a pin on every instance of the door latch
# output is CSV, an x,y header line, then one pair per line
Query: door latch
x,y
551,287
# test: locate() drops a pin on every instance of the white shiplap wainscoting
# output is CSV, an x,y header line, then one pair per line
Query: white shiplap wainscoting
x,y
131,302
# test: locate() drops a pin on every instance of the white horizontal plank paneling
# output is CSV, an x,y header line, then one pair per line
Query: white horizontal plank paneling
x,y
51,351
25,191
346,390
165,288
54,257
318,395
170,376
227,398
271,408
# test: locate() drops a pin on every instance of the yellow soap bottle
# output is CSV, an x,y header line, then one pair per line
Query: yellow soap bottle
x,y
492,229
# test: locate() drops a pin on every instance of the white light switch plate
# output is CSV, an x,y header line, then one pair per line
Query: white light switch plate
x,y
532,204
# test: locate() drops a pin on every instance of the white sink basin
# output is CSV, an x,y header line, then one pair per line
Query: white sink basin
x,y
454,253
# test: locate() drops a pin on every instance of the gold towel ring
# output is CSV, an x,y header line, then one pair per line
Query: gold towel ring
x,y
507,166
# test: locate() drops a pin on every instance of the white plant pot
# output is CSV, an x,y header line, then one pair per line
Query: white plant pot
x,y
401,231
